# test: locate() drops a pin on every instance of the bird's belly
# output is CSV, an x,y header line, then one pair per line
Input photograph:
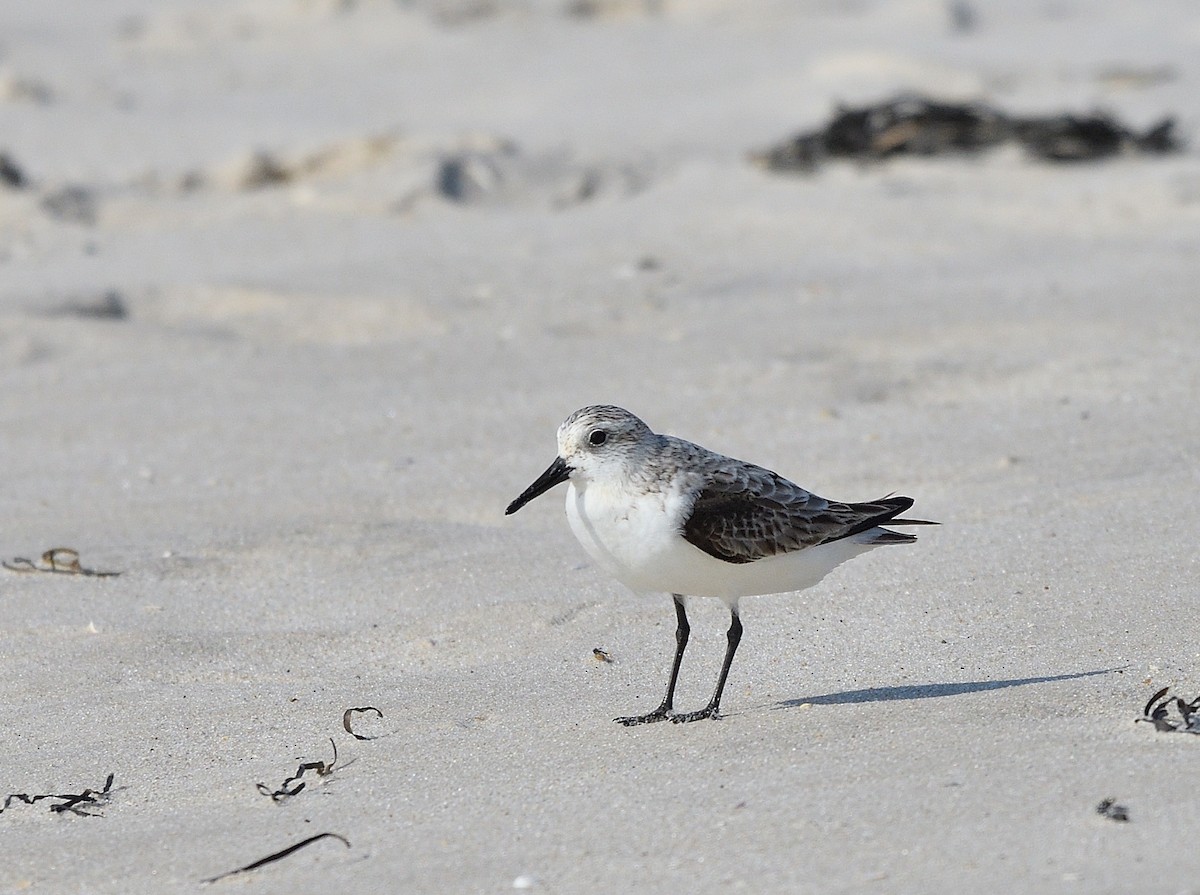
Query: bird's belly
x,y
640,545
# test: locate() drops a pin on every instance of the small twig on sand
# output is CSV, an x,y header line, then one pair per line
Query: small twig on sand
x,y
346,720
322,768
262,862
72,802
56,561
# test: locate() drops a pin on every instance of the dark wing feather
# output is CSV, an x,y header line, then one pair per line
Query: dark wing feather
x,y
745,513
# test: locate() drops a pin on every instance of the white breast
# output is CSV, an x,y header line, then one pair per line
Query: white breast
x,y
627,538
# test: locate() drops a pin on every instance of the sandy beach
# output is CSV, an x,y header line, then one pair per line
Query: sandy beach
x,y
293,296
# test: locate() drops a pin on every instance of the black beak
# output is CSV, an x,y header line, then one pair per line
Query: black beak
x,y
556,474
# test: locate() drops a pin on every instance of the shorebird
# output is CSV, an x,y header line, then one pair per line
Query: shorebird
x,y
662,514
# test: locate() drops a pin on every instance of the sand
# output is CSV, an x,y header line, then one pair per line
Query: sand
x,y
292,302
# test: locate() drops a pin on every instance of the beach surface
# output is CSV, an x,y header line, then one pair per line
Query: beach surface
x,y
293,295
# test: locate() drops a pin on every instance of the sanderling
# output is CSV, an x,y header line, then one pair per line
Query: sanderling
x,y
663,514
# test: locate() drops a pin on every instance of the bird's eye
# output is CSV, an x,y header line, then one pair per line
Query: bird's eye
x,y
597,437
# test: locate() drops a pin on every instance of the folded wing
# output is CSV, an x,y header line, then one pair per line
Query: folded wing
x,y
745,513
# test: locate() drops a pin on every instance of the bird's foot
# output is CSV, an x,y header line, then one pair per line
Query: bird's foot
x,y
662,713
709,711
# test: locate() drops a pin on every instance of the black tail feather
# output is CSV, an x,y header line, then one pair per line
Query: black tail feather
x,y
885,512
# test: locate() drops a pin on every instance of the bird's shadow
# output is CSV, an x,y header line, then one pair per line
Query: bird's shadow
x,y
932,691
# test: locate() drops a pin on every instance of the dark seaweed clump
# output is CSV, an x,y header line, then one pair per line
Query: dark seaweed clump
x,y
917,125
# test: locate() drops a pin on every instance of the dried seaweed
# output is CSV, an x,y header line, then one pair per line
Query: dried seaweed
x,y
69,802
11,174
56,561
1111,810
286,789
1158,709
918,125
275,856
109,305
346,720
1188,710
73,204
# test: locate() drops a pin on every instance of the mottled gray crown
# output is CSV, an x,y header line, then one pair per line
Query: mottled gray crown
x,y
606,414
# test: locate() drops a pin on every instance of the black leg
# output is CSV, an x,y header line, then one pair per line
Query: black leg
x,y
682,630
712,710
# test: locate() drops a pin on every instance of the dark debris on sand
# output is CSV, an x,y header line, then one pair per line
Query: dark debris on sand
x,y
917,125
68,803
11,174
349,713
107,305
278,856
55,561
1110,810
1158,713
293,785
72,204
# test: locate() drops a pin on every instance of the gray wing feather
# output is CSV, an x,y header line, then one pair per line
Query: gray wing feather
x,y
744,513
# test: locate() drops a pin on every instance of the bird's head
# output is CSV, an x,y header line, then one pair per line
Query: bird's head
x,y
595,443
